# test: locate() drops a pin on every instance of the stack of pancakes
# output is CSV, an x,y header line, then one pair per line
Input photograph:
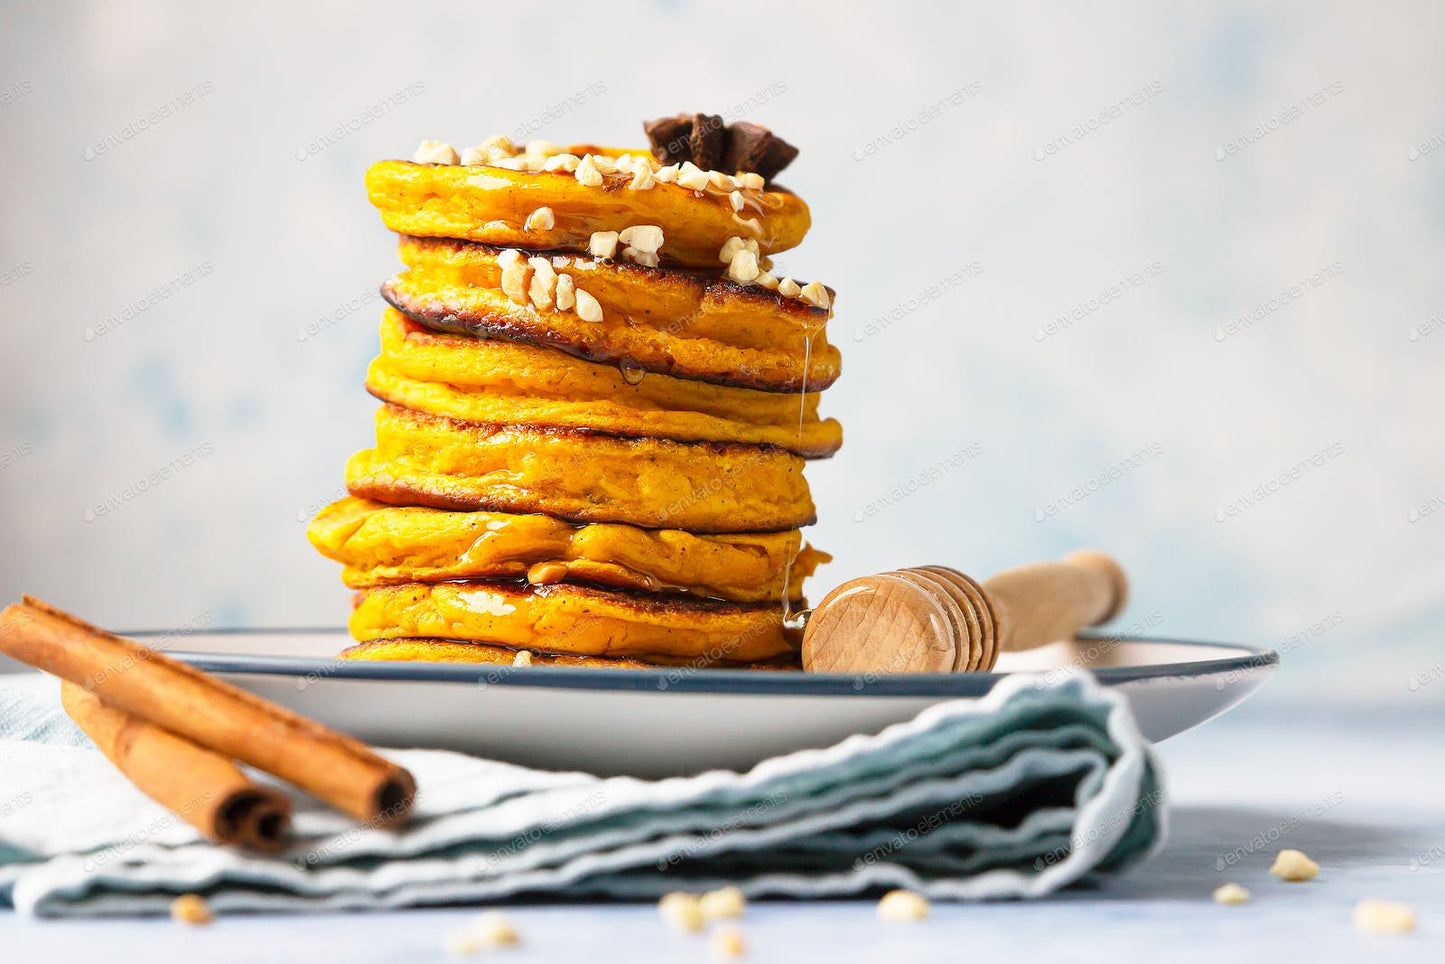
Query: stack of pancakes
x,y
597,405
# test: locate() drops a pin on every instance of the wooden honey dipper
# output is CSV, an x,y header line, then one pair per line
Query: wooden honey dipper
x,y
932,619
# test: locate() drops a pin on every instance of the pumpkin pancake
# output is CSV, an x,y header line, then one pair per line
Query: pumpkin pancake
x,y
384,545
705,487
495,205
572,619
682,323
505,382
451,651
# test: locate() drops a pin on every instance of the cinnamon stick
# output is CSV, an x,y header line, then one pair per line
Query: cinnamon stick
x,y
208,711
198,785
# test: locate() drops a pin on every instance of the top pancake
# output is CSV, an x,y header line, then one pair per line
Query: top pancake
x,y
493,204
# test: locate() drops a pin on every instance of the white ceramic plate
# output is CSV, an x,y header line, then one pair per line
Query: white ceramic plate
x,y
677,721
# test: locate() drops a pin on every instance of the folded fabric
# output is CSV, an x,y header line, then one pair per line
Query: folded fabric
x,y
1043,783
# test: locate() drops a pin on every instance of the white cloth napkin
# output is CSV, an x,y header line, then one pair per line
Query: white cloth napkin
x,y
1043,783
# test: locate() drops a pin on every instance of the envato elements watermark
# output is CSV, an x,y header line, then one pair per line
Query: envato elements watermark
x,y
12,274
146,483
366,117
1423,679
1100,120
14,92
1269,838
153,118
1111,824
917,121
1289,295
558,110
1279,120
922,828
531,835
16,803
920,481
1289,644
1419,150
1098,483
703,841
925,296
100,858
149,300
153,645
1419,331
16,454
1268,488
1426,857
742,108
1089,652
370,296
1430,505
1108,296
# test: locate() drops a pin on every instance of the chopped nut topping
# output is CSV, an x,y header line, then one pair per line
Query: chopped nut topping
x,y
497,226
788,288
488,932
1384,917
666,175
682,912
588,173
744,266
604,163
726,902
509,256
541,219
544,282
738,202
767,281
191,909
603,244
498,145
522,163
643,237
1294,865
647,259
435,152
566,293
729,942
523,658
473,156
641,181
720,181
562,162
514,281
543,148
1231,894
588,308
751,180
731,247
815,294
902,906
692,177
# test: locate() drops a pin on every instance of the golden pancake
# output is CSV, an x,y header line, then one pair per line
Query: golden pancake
x,y
672,322
704,487
574,619
451,651
503,382
494,205
384,545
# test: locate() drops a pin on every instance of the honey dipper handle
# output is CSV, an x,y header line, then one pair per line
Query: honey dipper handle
x,y
1042,603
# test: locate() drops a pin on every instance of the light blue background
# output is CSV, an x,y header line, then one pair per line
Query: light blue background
x,y
986,417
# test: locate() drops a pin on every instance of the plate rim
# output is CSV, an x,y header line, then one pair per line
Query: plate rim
x,y
687,679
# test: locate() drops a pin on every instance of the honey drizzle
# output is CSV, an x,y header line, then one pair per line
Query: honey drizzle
x,y
792,620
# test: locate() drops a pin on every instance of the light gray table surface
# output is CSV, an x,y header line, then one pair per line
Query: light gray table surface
x,y
1363,792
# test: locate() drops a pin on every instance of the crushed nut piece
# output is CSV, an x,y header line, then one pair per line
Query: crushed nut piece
x,y
641,181
497,226
1231,894
521,163
902,906
682,912
523,658
815,294
692,177
562,162
603,244
544,282
435,152
726,902
489,931
604,163
588,173
588,307
767,280
730,247
542,148
720,181
1384,917
514,281
473,156
566,293
788,288
508,257
643,237
541,219
666,175
737,200
751,180
191,909
744,266
729,942
1294,865
498,145
648,259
